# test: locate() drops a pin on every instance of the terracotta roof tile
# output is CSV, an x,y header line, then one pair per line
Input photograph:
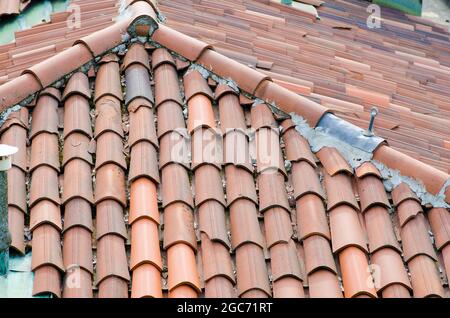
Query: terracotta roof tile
x,y
110,150
366,169
111,259
278,228
439,219
390,269
19,118
297,148
60,64
221,89
78,146
179,225
324,284
110,174
318,254
290,101
76,116
47,279
77,181
110,219
239,184
208,185
332,161
355,275
179,42
170,118
339,191
371,192
206,148
44,151
44,185
166,80
161,56
113,287
219,287
216,261
143,200
268,152
407,210
284,261
143,232
430,176
346,229
380,229
77,212
305,180
416,240
243,215
424,277
183,291
83,289
176,174
138,83
231,112
173,147
311,217
402,192
16,224
261,116
200,112
46,243
182,275
143,126
272,191
77,249
96,43
144,162
236,150
288,287
251,270
78,84
396,291
45,116
108,116
45,212
136,55
146,282
17,193
195,84
212,221
17,136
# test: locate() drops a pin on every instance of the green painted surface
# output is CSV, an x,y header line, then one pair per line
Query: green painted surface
x,y
5,237
19,281
36,13
413,7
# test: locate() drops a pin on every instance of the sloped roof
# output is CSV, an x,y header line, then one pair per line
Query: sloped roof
x,y
402,68
13,7
124,145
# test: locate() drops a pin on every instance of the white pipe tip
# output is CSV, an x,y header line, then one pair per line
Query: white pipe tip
x,y
6,150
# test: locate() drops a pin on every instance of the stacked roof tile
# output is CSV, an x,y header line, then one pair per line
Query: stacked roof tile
x,y
162,179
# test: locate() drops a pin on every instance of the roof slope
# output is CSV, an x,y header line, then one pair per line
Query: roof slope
x,y
13,7
164,162
403,68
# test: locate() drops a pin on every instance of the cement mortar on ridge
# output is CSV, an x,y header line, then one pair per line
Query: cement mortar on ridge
x,y
318,138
